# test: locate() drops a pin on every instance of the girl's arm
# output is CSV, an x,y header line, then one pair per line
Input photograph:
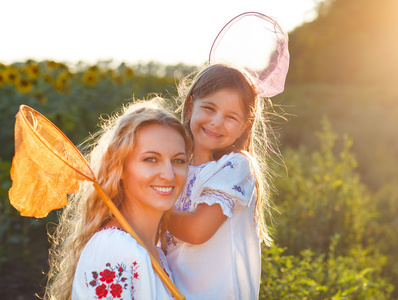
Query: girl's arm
x,y
196,227
219,198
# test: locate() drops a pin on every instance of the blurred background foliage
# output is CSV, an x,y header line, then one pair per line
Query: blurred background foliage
x,y
335,219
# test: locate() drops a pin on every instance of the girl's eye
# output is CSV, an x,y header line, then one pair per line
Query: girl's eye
x,y
150,159
232,118
209,108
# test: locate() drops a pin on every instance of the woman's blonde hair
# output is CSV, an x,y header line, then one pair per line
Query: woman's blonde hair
x,y
253,142
85,212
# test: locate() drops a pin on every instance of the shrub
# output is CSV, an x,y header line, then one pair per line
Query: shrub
x,y
322,197
309,276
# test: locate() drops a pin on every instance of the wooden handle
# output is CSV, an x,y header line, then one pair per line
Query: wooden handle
x,y
158,269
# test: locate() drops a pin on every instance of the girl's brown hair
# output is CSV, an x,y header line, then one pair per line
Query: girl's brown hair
x,y
253,142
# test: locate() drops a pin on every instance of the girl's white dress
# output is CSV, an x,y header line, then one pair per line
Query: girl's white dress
x,y
227,266
113,266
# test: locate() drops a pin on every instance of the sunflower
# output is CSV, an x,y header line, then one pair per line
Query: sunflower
x,y
90,78
33,70
129,72
11,75
2,80
48,78
94,68
61,81
50,64
24,85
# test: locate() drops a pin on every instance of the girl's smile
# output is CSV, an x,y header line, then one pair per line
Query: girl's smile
x,y
211,134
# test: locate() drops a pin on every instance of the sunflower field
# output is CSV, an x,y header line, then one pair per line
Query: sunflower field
x,y
334,227
73,97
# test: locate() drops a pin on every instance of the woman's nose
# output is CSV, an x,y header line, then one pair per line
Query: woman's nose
x,y
167,172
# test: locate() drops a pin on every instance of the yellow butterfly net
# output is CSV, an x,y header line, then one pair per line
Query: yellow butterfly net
x,y
47,166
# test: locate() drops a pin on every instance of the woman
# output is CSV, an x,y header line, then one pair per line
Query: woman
x,y
140,162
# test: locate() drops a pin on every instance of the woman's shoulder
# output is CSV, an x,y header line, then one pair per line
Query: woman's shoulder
x,y
116,242
110,232
113,263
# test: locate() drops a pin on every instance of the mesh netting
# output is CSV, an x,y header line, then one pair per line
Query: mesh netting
x,y
256,43
46,166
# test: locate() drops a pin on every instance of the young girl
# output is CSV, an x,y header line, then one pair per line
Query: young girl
x,y
140,161
213,247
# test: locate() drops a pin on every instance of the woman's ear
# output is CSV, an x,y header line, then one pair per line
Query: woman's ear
x,y
122,176
189,108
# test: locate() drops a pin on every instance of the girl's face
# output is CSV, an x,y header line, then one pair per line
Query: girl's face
x,y
216,122
155,172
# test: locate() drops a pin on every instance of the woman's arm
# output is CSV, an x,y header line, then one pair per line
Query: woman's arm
x,y
196,227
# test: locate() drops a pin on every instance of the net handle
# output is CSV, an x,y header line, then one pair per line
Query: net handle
x,y
156,266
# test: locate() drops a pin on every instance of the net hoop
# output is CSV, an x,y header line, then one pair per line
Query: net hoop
x,y
25,110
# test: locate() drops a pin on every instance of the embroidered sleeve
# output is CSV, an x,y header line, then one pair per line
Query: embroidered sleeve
x,y
114,266
232,185
114,281
210,197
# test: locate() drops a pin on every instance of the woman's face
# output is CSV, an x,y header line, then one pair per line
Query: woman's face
x,y
156,170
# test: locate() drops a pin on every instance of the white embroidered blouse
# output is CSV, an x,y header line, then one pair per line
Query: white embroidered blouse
x,y
227,266
113,266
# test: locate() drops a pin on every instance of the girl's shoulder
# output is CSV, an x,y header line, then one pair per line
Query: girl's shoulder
x,y
233,160
234,163
238,156
229,180
230,168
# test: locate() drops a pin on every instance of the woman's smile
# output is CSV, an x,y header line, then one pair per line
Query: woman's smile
x,y
163,189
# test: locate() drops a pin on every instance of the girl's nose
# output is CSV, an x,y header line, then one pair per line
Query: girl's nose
x,y
216,121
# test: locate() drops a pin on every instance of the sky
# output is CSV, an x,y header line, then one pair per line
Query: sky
x,y
166,31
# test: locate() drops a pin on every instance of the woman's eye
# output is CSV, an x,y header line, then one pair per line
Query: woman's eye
x,y
150,159
180,161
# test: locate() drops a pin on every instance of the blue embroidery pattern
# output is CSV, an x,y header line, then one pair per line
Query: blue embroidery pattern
x,y
239,189
221,196
170,240
229,164
184,201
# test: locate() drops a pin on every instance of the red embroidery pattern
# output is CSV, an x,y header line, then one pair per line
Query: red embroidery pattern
x,y
110,283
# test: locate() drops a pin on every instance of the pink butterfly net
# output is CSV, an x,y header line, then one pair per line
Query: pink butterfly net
x,y
257,44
